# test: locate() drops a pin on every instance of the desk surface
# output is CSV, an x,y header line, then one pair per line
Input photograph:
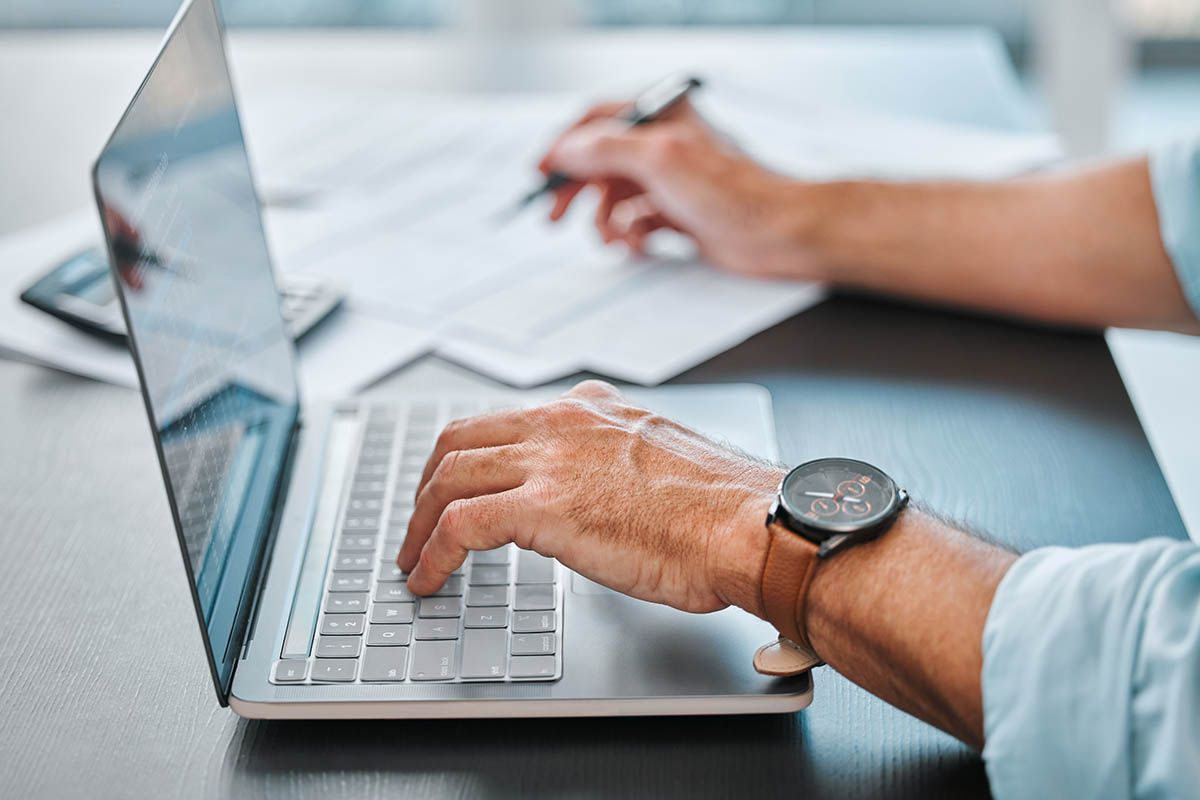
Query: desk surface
x,y
1021,432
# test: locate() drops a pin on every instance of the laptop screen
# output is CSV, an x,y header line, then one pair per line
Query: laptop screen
x,y
190,262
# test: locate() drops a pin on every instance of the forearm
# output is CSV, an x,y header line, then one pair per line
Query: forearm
x,y
1078,248
903,617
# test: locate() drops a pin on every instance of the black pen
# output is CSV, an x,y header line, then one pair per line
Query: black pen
x,y
647,107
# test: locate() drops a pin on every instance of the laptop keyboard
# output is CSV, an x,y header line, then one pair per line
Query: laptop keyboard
x,y
497,618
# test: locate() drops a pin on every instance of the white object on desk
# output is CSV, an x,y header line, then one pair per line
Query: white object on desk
x,y
404,195
347,352
1162,374
398,197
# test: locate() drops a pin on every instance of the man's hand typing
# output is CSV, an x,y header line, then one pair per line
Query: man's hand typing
x,y
629,499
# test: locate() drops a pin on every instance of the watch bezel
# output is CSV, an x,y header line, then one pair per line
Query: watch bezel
x,y
834,536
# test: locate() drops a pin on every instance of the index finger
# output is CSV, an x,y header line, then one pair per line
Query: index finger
x,y
485,430
603,110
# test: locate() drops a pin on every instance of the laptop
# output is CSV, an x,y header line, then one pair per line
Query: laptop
x,y
289,512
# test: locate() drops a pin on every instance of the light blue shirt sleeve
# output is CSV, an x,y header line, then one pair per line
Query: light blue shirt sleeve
x,y
1091,673
1175,177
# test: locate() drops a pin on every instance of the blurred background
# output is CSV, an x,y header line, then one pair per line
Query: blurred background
x,y
1108,75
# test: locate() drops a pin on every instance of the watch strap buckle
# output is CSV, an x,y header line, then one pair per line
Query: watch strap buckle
x,y
783,658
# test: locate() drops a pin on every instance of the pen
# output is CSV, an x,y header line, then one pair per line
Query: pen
x,y
647,107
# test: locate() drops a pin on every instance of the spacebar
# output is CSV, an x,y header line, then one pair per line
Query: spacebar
x,y
307,602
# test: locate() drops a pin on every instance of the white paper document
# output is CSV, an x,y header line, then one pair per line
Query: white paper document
x,y
404,200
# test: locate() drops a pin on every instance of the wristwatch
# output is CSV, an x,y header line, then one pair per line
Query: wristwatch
x,y
822,508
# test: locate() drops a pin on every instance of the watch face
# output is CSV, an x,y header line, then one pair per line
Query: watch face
x,y
839,495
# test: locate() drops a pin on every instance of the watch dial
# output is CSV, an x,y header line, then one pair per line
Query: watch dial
x,y
839,494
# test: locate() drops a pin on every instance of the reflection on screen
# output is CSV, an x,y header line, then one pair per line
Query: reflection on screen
x,y
186,243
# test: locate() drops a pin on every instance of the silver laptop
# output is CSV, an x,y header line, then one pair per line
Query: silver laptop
x,y
289,515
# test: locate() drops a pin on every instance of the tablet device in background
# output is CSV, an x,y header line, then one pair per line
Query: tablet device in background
x,y
79,291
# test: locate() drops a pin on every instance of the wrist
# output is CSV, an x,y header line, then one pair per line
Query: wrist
x,y
813,220
741,548
799,229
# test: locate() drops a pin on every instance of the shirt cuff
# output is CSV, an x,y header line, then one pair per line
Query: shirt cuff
x,y
1175,179
1051,725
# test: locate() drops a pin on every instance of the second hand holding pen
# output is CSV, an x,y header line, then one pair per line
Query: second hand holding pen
x,y
649,106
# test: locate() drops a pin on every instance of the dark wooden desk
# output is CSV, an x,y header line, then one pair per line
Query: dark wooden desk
x,y
1024,433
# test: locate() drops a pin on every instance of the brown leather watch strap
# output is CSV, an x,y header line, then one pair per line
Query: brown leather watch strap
x,y
787,573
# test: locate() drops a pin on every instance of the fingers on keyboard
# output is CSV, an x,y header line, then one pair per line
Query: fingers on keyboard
x,y
495,618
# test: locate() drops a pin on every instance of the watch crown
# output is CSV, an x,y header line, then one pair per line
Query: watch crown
x,y
773,511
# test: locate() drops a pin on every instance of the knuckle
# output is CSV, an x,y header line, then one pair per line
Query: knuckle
x,y
605,143
570,409
593,386
454,518
668,150
448,434
446,467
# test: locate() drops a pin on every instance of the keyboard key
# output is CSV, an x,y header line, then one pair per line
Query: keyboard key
x,y
534,568
290,671
486,618
368,488
407,480
351,562
357,544
390,573
393,593
501,555
539,597
345,603
378,437
334,670
531,667
453,587
360,505
436,629
440,607
489,575
396,613
374,454
343,624
483,653
366,522
338,646
432,661
350,582
533,644
487,595
384,664
389,635
533,621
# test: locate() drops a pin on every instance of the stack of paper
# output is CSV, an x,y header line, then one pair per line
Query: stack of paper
x,y
403,200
